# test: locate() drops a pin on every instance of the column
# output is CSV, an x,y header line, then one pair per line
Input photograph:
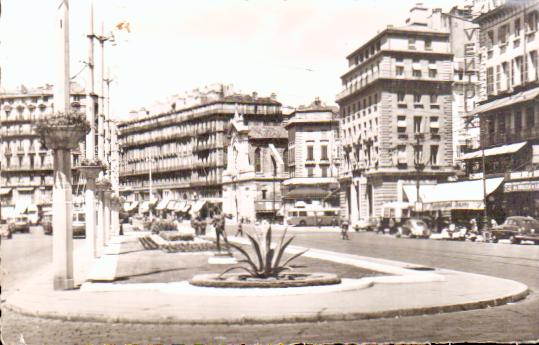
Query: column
x,y
107,210
89,196
354,215
62,242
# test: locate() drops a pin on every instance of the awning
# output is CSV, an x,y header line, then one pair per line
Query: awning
x,y
152,202
416,66
464,195
5,191
495,151
25,189
186,208
432,66
144,207
435,124
401,123
507,101
20,208
171,206
162,204
307,192
197,206
31,208
310,180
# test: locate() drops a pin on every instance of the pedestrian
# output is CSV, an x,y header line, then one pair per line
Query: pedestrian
x,y
344,230
240,228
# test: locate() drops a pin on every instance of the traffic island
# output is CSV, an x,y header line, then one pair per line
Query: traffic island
x,y
395,289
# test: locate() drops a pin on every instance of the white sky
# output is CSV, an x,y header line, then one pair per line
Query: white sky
x,y
295,48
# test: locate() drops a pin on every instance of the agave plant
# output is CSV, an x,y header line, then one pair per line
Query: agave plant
x,y
267,263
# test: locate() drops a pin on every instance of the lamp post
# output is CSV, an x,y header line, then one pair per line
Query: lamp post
x,y
150,161
419,166
274,177
486,224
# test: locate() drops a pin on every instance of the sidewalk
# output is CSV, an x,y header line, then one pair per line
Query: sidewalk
x,y
406,290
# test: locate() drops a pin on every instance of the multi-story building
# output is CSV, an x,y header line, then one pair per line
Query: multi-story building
x,y
26,178
313,160
252,180
183,146
509,112
396,115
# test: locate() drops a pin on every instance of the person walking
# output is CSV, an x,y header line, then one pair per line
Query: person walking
x,y
344,229
240,228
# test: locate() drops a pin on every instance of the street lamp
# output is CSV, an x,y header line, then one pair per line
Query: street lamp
x,y
419,165
150,161
274,177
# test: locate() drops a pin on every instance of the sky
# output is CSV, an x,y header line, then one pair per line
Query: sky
x,y
295,48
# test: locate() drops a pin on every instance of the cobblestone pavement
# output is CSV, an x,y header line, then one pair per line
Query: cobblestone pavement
x,y
512,322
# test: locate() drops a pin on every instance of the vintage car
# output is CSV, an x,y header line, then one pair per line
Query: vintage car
x,y
20,223
517,229
415,227
79,223
46,223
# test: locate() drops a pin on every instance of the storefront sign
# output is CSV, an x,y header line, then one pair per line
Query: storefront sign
x,y
454,205
524,186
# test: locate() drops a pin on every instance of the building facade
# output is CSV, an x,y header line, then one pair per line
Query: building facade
x,y
26,177
396,115
183,146
313,162
252,180
509,111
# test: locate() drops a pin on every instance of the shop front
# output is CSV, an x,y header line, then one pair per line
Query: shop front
x,y
521,198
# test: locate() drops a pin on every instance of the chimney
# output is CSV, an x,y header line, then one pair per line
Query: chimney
x,y
418,15
273,96
255,95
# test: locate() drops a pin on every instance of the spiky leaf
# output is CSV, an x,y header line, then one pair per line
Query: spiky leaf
x,y
269,257
294,257
238,268
281,251
258,252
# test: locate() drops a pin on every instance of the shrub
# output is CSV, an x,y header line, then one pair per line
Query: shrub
x,y
176,236
269,259
162,225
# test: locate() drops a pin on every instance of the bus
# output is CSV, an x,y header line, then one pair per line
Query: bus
x,y
320,217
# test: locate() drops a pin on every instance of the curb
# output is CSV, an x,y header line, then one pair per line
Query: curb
x,y
280,320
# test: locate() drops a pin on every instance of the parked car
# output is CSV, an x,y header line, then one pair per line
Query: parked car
x,y
454,232
79,223
517,229
20,224
46,223
369,224
415,227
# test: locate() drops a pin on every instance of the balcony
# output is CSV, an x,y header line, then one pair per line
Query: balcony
x,y
391,73
267,205
510,136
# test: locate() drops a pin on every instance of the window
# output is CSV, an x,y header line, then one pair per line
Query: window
x,y
517,27
417,99
324,149
411,43
399,59
434,154
433,98
519,69
433,73
502,34
401,124
310,152
417,124
530,119
264,194
310,172
498,77
533,71
400,71
400,97
505,72
490,39
518,120
324,171
416,73
258,160
531,22
434,125
490,80
401,154
285,160
428,44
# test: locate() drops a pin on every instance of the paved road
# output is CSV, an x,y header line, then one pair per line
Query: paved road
x,y
518,321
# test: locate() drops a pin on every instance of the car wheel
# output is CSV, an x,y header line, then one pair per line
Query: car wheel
x,y
494,239
513,240
302,223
